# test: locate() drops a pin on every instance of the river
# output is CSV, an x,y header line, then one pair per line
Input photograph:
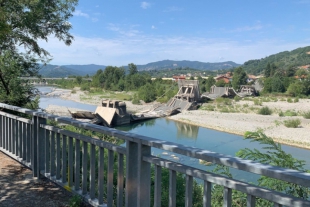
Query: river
x,y
184,134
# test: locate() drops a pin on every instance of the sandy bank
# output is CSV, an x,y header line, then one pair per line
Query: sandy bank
x,y
272,125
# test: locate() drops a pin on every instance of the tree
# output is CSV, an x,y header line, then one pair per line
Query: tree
x,y
267,70
275,156
132,69
14,90
147,93
78,79
220,83
239,78
301,73
210,82
23,24
277,85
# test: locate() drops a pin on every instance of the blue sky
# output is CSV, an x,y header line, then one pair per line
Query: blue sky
x,y
118,32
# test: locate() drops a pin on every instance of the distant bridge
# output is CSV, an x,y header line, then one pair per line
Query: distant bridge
x,y
43,81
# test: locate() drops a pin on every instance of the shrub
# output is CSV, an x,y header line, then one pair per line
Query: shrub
x,y
210,107
292,123
289,100
296,100
257,102
221,100
73,91
85,87
281,113
265,111
306,115
237,98
290,113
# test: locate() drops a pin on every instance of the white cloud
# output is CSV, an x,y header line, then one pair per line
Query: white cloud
x,y
248,28
145,5
173,9
80,13
94,19
141,49
124,30
153,27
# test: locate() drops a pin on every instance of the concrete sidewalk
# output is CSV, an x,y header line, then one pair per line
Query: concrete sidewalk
x,y
18,188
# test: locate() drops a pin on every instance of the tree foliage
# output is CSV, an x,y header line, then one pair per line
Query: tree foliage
x,y
23,24
210,82
239,78
273,154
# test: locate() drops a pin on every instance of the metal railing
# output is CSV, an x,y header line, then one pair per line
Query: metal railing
x,y
85,165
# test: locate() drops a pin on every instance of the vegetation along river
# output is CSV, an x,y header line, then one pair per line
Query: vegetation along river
x,y
185,134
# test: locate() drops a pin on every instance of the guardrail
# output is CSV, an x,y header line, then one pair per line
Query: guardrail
x,y
79,164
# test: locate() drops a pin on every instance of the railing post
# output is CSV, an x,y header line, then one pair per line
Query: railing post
x,y
38,145
138,175
131,174
1,132
144,175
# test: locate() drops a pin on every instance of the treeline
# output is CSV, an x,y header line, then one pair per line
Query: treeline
x,y
284,60
116,79
293,81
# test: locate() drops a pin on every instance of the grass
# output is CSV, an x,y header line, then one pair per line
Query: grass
x,y
306,115
257,102
223,101
292,123
75,201
112,95
209,107
288,113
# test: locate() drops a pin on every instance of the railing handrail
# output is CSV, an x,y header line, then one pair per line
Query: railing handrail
x,y
289,175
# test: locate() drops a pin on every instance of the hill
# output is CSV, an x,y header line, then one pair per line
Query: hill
x,y
69,70
171,64
56,71
283,60
90,69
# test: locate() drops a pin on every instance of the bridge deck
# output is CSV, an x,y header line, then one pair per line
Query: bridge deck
x,y
18,188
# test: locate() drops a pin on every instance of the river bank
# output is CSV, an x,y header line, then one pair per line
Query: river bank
x,y
236,123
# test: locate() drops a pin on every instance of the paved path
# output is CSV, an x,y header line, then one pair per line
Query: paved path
x,y
18,189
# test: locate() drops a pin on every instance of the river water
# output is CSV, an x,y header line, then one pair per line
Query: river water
x,y
185,134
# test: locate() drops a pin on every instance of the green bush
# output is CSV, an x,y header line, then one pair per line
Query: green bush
x,y
306,115
289,100
265,111
209,107
85,87
225,101
290,113
281,113
296,100
257,102
237,98
292,123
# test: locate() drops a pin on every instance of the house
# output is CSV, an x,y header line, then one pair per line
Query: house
x,y
181,77
224,78
251,78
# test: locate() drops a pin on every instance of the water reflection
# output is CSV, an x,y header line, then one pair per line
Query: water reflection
x,y
138,124
185,131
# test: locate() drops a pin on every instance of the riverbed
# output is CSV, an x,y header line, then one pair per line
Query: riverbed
x,y
185,134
